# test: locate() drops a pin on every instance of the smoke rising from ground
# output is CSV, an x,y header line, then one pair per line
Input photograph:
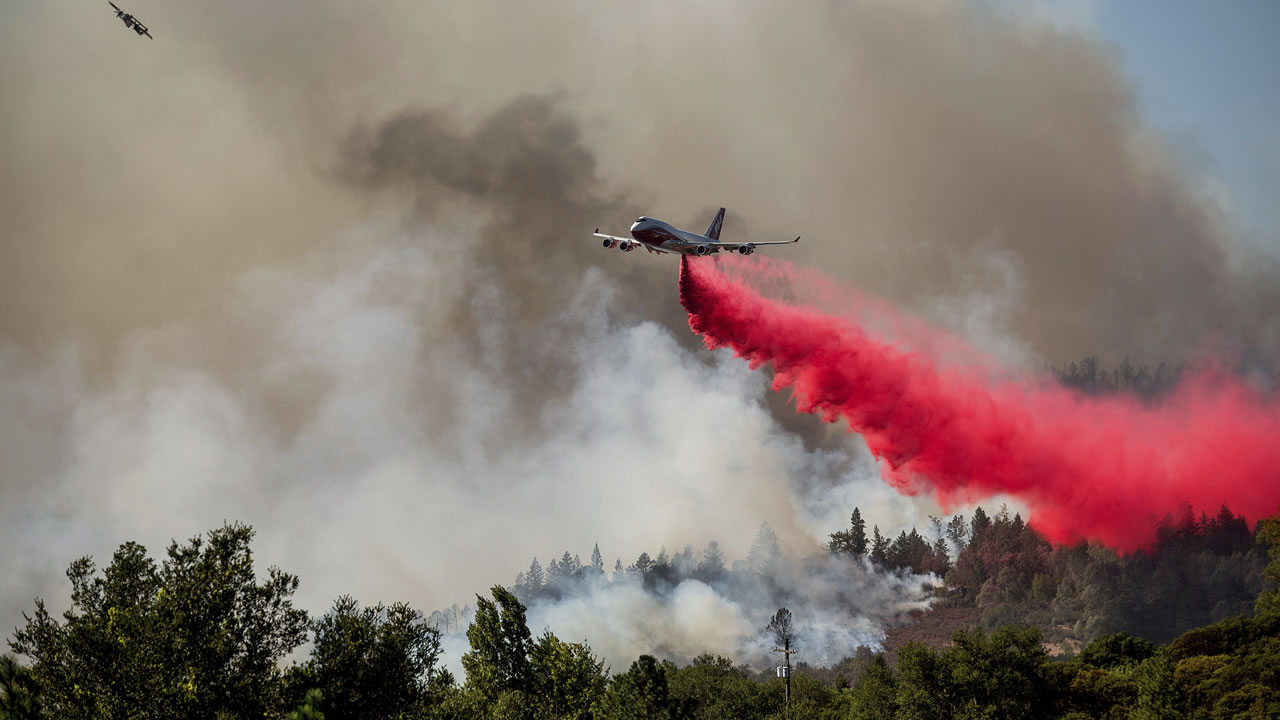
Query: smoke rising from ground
x,y
839,603
328,270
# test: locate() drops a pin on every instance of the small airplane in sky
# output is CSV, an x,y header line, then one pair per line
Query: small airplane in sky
x,y
659,237
130,21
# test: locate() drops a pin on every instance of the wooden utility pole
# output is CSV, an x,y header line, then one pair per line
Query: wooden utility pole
x,y
780,626
785,670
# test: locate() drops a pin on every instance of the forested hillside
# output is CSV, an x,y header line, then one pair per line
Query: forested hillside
x,y
203,633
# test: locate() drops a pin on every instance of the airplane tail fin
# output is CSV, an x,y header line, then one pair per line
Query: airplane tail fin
x,y
713,230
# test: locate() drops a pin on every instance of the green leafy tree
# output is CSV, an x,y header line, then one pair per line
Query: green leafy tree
x,y
873,697
712,688
310,707
498,661
922,684
1269,535
568,682
375,662
641,693
19,694
1158,695
194,637
999,675
1116,650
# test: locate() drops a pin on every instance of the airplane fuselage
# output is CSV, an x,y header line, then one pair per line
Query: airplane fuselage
x,y
660,237
668,238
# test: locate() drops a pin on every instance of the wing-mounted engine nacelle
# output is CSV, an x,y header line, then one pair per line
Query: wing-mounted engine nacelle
x,y
702,249
746,249
610,243
627,246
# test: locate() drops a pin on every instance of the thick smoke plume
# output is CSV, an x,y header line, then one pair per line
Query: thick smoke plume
x,y
679,610
1102,469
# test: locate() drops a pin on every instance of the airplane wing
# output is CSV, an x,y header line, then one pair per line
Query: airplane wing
x,y
113,5
736,245
599,234
631,241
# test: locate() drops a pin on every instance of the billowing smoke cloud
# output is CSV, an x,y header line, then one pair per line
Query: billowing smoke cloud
x,y
838,603
327,269
1107,469
361,491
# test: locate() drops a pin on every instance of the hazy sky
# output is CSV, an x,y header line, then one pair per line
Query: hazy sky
x,y
1208,74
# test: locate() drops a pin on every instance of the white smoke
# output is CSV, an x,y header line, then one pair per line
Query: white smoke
x,y
308,403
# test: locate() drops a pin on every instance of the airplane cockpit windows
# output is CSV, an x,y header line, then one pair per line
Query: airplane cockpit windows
x,y
642,219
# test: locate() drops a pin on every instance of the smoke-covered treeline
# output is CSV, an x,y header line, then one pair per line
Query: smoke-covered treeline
x,y
679,605
1202,570
202,633
1088,375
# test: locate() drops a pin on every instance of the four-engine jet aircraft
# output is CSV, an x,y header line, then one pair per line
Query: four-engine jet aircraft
x,y
659,237
130,21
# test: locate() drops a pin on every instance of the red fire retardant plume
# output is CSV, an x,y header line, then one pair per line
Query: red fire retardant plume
x,y
1105,469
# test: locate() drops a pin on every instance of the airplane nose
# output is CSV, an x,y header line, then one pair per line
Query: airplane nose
x,y
635,225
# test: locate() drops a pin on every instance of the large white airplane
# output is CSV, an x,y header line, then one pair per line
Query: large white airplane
x,y
659,237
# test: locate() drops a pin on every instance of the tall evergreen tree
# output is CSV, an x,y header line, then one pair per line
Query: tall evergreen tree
x,y
958,533
852,541
535,578
765,552
712,566
879,548
597,560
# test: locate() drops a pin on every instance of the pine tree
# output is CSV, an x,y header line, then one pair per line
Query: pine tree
x,y
879,549
597,561
858,529
643,565
712,566
535,578
765,553
958,533
852,541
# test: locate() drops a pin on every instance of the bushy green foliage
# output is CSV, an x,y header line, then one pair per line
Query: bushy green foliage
x,y
192,637
373,662
1269,536
19,693
712,687
568,681
1116,650
642,693
199,635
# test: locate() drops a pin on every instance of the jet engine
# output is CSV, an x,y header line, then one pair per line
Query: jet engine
x,y
703,249
627,246
746,249
610,243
